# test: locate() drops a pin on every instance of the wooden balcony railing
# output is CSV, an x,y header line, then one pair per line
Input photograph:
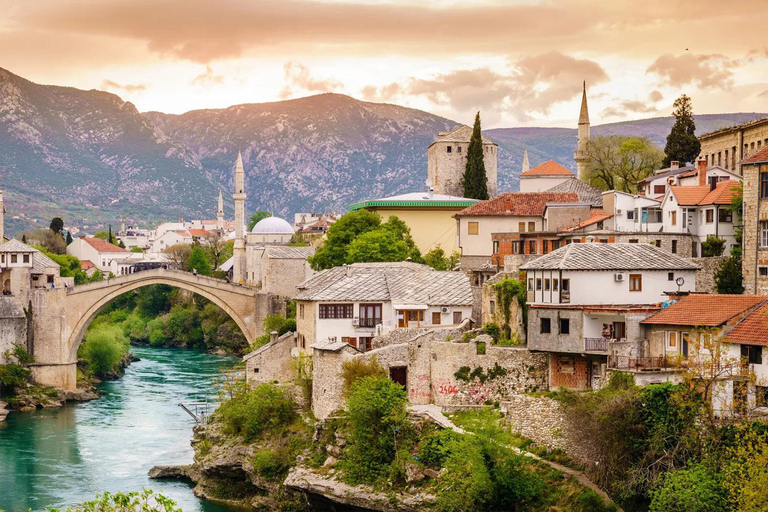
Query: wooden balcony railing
x,y
369,322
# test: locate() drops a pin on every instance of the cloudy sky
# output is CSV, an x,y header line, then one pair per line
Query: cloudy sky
x,y
521,63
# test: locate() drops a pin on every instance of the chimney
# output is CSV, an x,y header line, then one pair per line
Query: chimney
x,y
273,336
702,172
674,164
348,270
508,205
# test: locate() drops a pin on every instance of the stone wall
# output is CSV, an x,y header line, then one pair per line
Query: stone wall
x,y
273,361
513,262
13,325
755,210
492,310
398,336
705,278
684,241
327,384
732,140
283,275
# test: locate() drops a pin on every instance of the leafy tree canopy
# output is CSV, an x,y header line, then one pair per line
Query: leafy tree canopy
x,y
437,260
682,144
619,162
198,261
104,235
475,178
256,217
57,224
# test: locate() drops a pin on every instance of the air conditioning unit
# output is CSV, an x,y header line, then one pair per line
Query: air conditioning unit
x,y
618,277
355,322
618,212
444,309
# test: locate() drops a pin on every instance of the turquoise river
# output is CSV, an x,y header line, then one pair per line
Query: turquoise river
x,y
60,457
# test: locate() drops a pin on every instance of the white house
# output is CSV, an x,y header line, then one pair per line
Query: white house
x,y
170,238
354,303
632,212
583,296
657,185
96,250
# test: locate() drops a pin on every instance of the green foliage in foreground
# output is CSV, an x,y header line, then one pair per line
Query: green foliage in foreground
x,y
103,348
251,412
693,489
145,501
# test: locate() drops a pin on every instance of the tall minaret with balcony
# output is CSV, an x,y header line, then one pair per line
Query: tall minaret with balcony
x,y
238,269
581,155
220,213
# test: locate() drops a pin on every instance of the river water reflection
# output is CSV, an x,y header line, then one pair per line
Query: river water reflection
x,y
64,456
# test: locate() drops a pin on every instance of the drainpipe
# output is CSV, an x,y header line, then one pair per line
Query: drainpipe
x,y
717,221
757,227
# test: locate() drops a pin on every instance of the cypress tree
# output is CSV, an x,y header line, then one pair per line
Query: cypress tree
x,y
682,144
24,239
475,180
69,238
110,239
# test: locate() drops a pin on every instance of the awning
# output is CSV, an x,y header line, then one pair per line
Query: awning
x,y
410,306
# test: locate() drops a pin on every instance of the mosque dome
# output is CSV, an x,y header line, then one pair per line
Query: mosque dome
x,y
272,226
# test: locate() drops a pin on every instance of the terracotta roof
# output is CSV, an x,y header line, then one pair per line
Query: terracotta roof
x,y
595,217
702,195
706,310
759,157
86,264
752,329
599,256
199,232
102,245
519,203
548,168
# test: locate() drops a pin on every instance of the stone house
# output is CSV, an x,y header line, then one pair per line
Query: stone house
x,y
544,176
447,161
755,216
582,296
96,250
674,336
728,147
512,212
354,303
274,361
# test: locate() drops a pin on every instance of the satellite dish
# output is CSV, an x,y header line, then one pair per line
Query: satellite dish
x,y
428,183
679,281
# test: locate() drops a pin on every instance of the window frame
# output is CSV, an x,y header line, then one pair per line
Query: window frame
x,y
436,315
724,215
336,311
636,282
545,325
764,185
473,226
565,322
531,226
457,317
710,215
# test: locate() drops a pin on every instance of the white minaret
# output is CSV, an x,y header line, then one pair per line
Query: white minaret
x,y
2,217
526,165
581,155
220,213
238,270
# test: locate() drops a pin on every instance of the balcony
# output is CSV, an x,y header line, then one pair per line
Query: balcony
x,y
640,364
369,322
596,344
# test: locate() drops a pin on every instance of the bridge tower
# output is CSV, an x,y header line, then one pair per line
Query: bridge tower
x,y
581,155
238,269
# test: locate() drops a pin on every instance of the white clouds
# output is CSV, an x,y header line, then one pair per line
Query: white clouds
x,y
299,79
705,71
208,79
110,85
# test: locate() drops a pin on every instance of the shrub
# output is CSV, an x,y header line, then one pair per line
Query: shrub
x,y
355,369
492,330
252,411
435,447
514,484
103,348
280,324
693,489
13,376
146,501
466,485
377,419
270,464
712,246
469,336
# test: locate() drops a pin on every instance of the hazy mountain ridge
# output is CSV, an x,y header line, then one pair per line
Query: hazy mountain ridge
x,y
67,151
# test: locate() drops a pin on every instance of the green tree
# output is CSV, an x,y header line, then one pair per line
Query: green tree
x,y
693,489
69,238
333,252
24,238
256,217
728,278
437,260
198,261
378,245
619,162
712,246
57,224
121,245
110,238
137,249
103,348
475,179
682,144
104,235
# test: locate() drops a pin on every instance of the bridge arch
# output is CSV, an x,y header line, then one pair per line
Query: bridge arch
x,y
84,302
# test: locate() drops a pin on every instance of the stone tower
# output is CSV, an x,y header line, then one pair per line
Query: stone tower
x,y
2,218
447,161
238,269
220,213
526,165
581,155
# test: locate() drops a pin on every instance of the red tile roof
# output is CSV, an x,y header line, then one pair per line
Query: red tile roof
x,y
706,310
595,217
703,195
759,157
519,203
752,329
86,264
548,168
199,232
102,245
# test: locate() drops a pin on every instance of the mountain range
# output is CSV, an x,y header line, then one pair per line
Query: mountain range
x,y
93,158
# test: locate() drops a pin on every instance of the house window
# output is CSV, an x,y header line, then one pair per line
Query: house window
x,y
630,214
448,149
49,279
545,247
530,283
26,258
472,228
670,276
516,247
674,246
555,283
546,326
521,227
458,149
370,315
301,311
763,271
538,284
658,244
493,307
764,185
658,189
531,226
566,285
333,311
349,341
725,216
532,247
673,216
619,330
495,247
546,285
635,282
565,326
436,316
672,339
14,258
633,240
710,216
764,233
457,317
752,354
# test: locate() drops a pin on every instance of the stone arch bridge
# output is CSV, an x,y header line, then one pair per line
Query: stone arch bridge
x,y
61,316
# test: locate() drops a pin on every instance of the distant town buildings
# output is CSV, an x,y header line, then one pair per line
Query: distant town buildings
x,y
730,146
